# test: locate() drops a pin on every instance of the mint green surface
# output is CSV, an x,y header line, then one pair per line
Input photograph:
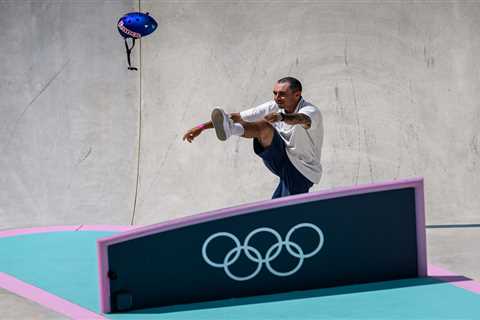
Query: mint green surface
x,y
65,264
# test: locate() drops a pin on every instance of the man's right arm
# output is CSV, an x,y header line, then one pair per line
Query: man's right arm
x,y
195,131
249,115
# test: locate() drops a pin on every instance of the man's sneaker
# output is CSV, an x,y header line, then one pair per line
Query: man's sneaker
x,y
222,124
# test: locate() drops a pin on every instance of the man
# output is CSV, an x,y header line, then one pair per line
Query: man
x,y
287,134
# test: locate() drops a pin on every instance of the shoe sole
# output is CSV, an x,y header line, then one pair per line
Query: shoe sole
x,y
217,120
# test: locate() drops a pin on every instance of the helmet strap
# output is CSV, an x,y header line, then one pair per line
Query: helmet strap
x,y
129,51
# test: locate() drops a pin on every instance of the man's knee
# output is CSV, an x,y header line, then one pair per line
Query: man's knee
x,y
266,133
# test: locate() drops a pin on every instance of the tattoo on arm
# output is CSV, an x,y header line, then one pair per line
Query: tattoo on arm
x,y
297,118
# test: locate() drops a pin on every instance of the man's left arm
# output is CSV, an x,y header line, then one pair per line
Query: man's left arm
x,y
297,118
290,118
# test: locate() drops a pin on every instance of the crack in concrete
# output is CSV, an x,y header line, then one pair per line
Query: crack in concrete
x,y
162,164
132,220
85,156
367,151
29,105
357,118
451,226
236,154
345,53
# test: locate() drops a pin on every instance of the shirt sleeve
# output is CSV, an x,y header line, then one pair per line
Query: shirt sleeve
x,y
257,113
313,113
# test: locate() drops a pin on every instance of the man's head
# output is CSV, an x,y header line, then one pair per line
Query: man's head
x,y
287,92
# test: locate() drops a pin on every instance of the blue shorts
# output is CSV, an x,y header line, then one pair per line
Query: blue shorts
x,y
276,160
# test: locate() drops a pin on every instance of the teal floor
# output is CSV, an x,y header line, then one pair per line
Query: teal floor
x,y
65,264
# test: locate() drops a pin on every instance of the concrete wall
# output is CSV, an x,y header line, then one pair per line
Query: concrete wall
x,y
69,124
397,84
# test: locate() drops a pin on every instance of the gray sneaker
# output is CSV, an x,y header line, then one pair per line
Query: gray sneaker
x,y
222,124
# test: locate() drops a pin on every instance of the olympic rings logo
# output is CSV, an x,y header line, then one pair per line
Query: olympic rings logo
x,y
255,256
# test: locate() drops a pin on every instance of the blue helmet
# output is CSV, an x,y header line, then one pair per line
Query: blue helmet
x,y
135,25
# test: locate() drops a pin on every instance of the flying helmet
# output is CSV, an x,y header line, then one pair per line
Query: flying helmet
x,y
135,25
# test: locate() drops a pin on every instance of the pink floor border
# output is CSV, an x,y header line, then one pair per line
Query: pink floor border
x,y
75,311
81,227
46,299
462,282
40,296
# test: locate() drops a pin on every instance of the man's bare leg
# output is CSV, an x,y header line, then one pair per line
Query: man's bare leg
x,y
261,130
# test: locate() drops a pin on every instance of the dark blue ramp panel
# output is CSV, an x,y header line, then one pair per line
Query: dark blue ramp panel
x,y
326,239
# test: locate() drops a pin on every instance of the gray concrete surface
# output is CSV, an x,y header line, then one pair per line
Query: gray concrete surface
x,y
15,307
69,124
85,141
455,249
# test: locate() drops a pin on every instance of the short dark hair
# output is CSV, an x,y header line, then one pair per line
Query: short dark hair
x,y
293,83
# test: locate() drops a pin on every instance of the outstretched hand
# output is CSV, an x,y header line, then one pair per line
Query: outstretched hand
x,y
192,134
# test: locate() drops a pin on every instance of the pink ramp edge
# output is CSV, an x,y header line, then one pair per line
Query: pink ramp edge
x,y
45,298
417,183
420,225
465,283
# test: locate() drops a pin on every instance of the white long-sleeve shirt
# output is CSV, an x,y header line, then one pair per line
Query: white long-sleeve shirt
x,y
303,146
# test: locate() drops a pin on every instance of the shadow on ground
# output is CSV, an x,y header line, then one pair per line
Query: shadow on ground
x,y
386,285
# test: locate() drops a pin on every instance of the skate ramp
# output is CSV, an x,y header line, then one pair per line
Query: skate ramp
x,y
357,235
